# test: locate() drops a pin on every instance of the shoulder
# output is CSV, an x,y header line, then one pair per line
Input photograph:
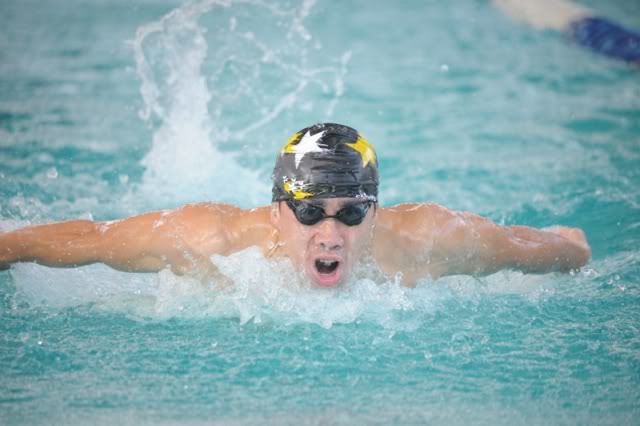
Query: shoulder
x,y
226,227
210,214
203,211
430,227
226,215
405,237
416,216
412,227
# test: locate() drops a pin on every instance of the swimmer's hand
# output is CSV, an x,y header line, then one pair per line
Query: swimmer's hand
x,y
575,235
7,256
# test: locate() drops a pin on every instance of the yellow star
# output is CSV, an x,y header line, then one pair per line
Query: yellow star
x,y
290,147
294,189
365,150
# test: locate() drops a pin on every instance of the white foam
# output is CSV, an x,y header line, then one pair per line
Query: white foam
x,y
269,291
61,288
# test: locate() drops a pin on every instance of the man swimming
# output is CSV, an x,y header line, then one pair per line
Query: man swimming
x,y
324,217
581,24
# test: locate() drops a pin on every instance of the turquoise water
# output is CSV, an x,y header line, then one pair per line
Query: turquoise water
x,y
108,109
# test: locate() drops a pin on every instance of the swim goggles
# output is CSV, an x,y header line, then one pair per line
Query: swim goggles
x,y
310,214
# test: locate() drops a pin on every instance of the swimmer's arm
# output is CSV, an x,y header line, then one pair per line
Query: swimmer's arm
x,y
584,26
145,243
544,14
464,243
125,245
556,249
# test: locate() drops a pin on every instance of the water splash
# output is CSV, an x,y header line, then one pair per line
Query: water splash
x,y
183,161
269,291
196,99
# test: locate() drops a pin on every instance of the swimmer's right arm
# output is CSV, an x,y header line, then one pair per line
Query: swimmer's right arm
x,y
82,242
145,243
581,24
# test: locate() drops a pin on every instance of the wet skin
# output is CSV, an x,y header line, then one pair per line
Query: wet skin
x,y
414,240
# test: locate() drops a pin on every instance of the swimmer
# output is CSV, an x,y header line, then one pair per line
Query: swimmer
x,y
324,217
581,24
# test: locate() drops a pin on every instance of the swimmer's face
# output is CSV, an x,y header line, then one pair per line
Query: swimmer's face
x,y
328,250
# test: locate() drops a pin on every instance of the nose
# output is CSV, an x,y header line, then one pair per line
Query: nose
x,y
328,235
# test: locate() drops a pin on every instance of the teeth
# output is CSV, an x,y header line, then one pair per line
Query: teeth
x,y
327,266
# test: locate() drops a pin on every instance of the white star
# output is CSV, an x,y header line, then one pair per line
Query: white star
x,y
307,144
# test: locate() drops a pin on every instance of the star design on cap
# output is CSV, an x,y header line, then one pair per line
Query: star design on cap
x,y
308,143
296,188
365,150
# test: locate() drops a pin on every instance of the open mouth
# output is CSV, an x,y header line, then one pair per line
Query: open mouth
x,y
326,266
327,272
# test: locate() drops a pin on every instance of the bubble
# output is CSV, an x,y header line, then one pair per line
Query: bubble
x,y
52,173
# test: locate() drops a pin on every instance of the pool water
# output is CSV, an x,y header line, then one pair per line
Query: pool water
x,y
109,108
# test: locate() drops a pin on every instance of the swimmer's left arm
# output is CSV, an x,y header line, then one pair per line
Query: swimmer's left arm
x,y
537,251
464,243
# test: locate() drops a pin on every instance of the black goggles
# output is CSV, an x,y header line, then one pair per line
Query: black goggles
x,y
310,214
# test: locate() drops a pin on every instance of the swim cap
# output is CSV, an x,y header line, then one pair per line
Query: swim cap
x,y
326,160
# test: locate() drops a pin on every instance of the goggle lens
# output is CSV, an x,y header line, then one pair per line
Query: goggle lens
x,y
310,214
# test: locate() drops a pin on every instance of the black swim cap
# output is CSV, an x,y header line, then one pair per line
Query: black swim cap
x,y
326,160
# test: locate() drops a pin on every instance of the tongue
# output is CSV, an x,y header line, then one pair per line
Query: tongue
x,y
326,267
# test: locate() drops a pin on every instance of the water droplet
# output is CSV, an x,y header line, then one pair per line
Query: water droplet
x,y
590,272
52,173
444,68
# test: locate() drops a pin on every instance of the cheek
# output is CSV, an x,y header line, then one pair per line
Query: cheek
x,y
359,237
295,239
